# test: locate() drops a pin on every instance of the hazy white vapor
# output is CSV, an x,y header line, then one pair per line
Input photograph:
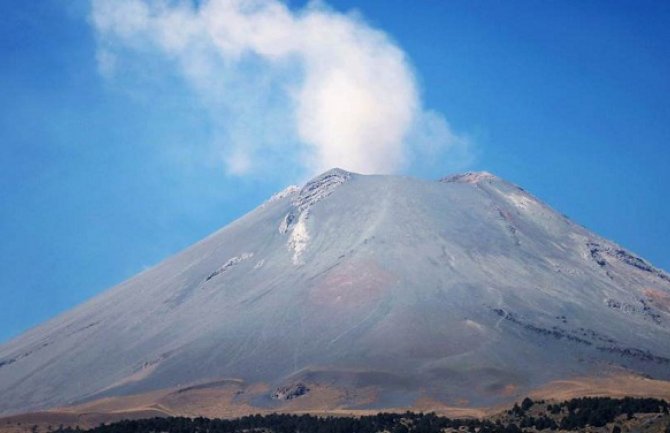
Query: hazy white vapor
x,y
349,95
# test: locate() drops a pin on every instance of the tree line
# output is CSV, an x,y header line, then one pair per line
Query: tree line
x,y
569,415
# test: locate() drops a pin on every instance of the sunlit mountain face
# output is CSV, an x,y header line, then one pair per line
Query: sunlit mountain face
x,y
358,292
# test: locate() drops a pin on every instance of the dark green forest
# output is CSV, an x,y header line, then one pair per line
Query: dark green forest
x,y
574,414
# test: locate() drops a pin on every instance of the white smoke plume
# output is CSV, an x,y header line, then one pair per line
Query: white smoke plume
x,y
312,87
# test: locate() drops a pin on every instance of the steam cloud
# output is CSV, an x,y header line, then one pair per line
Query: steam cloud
x,y
314,87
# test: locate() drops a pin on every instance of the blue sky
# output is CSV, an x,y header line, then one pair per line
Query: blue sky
x,y
103,173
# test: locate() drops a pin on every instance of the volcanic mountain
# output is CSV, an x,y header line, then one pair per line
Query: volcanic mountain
x,y
359,292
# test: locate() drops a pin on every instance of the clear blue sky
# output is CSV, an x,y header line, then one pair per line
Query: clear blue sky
x,y
571,100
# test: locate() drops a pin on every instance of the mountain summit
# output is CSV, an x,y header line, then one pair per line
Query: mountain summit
x,y
357,292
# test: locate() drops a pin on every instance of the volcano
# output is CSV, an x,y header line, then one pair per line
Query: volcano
x,y
359,292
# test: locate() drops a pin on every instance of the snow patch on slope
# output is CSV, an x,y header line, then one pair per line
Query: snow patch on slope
x,y
521,201
469,177
297,241
286,192
229,264
295,220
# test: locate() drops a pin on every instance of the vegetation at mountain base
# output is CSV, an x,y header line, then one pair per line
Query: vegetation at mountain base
x,y
589,414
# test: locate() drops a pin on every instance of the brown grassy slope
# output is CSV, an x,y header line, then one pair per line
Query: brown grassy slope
x,y
230,399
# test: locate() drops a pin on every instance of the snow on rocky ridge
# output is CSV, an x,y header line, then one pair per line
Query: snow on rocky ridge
x,y
469,177
286,192
296,219
229,264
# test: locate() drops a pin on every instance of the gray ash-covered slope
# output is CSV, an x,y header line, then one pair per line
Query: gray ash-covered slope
x,y
463,289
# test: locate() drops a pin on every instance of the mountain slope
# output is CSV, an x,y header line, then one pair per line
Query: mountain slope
x,y
387,289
